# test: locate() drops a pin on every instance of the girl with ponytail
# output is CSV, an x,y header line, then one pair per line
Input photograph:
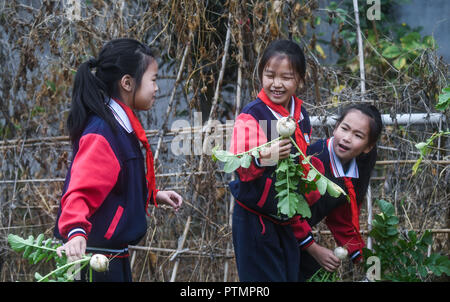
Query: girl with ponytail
x,y
109,184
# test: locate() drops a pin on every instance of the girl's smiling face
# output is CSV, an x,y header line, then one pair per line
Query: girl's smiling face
x,y
351,136
279,81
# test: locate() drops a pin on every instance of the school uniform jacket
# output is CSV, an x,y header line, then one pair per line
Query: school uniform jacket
x,y
104,194
337,211
254,187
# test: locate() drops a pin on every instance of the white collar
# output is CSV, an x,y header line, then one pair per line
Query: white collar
x,y
278,116
120,115
336,165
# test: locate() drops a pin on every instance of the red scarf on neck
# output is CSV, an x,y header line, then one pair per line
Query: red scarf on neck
x,y
353,205
140,134
299,138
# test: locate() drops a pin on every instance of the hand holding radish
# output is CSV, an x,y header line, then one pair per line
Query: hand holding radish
x,y
281,149
75,248
325,257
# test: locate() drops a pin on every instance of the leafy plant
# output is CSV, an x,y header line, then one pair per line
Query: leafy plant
x,y
407,50
403,256
426,147
399,44
291,179
41,249
444,99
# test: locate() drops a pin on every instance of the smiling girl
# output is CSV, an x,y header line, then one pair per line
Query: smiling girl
x,y
107,188
264,243
349,158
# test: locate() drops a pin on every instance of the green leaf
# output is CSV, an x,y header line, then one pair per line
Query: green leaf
x,y
416,165
322,184
444,99
427,238
411,38
391,52
399,63
393,220
38,276
422,147
39,239
255,153
232,164
284,206
246,160
17,243
222,155
412,236
283,165
429,42
333,189
386,207
281,182
391,231
28,251
311,175
303,207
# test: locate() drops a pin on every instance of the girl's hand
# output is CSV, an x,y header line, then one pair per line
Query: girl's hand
x,y
324,256
74,249
278,150
170,198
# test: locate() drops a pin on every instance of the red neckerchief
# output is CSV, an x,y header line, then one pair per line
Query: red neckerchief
x,y
299,138
140,134
353,205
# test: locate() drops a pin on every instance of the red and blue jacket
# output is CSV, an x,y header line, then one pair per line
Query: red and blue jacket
x,y
105,192
337,211
254,188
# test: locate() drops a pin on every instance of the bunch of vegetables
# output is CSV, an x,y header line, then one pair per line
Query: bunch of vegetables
x,y
41,249
291,182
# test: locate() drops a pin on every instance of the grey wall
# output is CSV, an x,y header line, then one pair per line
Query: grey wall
x,y
434,16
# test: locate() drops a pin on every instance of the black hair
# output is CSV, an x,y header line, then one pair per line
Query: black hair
x,y
366,161
287,48
92,91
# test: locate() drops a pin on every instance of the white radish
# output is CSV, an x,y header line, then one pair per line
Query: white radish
x,y
99,263
340,252
286,126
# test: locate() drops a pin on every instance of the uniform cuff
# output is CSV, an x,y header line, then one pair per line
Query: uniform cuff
x,y
76,232
306,242
257,163
356,256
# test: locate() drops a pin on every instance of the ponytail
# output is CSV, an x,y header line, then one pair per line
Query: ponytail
x,y
88,97
92,91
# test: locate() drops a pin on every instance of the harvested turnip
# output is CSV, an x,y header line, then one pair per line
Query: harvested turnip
x,y
286,126
340,252
99,263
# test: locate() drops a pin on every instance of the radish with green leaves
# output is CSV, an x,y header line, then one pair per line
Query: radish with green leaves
x,y
291,182
37,250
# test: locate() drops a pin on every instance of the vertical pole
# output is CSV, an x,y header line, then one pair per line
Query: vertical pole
x,y
360,50
363,91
